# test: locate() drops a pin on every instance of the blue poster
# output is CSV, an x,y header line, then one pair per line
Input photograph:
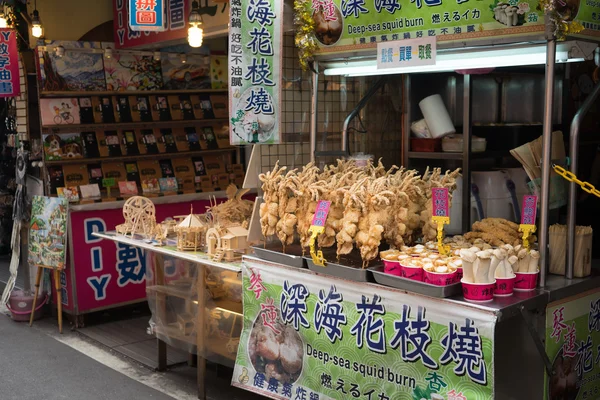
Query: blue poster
x,y
146,15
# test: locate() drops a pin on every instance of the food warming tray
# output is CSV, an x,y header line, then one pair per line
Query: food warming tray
x,y
415,286
291,258
349,266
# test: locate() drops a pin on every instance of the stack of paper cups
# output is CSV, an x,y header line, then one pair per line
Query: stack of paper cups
x,y
436,115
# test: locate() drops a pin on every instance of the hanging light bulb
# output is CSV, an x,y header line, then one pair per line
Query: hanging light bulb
x,y
108,52
195,32
183,58
157,56
36,25
59,51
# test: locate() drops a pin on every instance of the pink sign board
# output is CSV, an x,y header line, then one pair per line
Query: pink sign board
x,y
529,210
106,273
441,205
321,213
10,84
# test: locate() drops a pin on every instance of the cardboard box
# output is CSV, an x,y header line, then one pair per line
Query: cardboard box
x,y
149,169
213,165
185,174
181,141
75,175
220,106
114,170
175,106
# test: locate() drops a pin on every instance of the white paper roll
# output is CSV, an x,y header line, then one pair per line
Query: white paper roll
x,y
436,115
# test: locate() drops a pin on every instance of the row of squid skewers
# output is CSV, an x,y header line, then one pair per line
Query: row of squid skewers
x,y
369,204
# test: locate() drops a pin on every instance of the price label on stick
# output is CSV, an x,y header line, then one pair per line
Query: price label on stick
x,y
108,182
529,210
318,227
441,205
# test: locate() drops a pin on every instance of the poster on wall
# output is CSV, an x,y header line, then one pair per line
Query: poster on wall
x,y
132,72
572,337
215,16
193,74
75,71
48,232
255,40
335,339
146,15
10,84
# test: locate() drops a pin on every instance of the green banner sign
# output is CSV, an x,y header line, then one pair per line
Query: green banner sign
x,y
343,25
572,338
308,337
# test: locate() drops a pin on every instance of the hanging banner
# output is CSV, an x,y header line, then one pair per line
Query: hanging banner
x,y
146,15
10,84
327,338
215,17
572,344
255,40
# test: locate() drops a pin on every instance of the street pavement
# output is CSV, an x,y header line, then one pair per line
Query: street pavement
x,y
34,365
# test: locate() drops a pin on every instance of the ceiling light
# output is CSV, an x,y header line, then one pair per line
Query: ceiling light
x,y
183,58
195,32
37,31
157,56
108,52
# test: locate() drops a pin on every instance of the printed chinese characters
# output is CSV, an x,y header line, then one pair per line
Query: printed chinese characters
x,y
413,333
463,346
293,305
8,88
369,327
329,314
145,12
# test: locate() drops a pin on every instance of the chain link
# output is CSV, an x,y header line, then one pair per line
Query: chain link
x,y
585,186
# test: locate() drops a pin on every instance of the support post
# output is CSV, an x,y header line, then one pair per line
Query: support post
x,y
314,111
466,164
546,159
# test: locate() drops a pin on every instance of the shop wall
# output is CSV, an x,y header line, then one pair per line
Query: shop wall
x,y
381,119
71,19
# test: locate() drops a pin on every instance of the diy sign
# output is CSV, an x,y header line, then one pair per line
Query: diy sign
x,y
10,84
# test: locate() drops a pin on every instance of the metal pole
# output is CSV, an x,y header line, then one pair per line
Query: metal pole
x,y
466,164
546,158
573,157
407,111
314,111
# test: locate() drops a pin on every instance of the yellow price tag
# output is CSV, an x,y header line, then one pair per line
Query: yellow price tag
x,y
317,255
527,230
441,221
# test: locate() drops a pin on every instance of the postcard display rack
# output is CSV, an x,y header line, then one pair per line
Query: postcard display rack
x,y
118,125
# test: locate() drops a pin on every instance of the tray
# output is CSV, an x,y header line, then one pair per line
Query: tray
x,y
291,258
415,286
343,269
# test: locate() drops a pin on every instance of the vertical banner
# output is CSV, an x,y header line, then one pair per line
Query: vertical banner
x,y
146,15
10,85
311,337
572,344
255,40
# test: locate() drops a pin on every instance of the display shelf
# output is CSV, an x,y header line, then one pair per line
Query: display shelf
x,y
171,290
66,128
84,160
55,94
415,155
174,333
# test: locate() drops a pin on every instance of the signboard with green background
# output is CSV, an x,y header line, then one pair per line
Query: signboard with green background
x,y
572,338
310,338
342,25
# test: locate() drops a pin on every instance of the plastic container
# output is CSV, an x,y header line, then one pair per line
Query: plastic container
x,y
420,130
504,286
20,305
454,144
526,281
425,145
392,267
478,292
438,279
412,272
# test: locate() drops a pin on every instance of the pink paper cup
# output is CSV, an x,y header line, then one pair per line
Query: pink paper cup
x,y
412,272
392,267
526,281
478,292
504,286
458,276
438,279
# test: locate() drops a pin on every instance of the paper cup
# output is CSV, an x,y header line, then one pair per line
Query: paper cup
x,y
392,267
438,279
478,292
412,272
526,281
504,286
458,276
